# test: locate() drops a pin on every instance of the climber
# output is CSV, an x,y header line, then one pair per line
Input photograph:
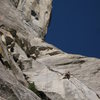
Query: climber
x,y
67,75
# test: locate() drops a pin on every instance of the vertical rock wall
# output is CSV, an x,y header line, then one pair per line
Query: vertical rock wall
x,y
30,68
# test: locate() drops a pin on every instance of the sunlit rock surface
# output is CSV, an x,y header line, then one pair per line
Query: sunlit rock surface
x,y
30,68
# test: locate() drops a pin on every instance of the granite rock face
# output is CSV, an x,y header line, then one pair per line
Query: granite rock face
x,y
30,68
